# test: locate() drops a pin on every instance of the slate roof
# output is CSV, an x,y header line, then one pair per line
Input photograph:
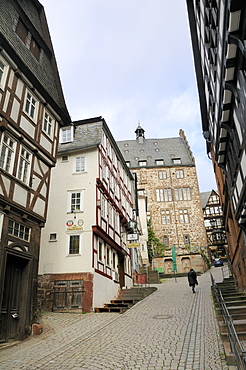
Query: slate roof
x,y
87,133
156,149
43,74
205,197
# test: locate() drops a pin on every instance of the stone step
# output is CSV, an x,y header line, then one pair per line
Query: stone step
x,y
240,327
111,309
241,336
234,316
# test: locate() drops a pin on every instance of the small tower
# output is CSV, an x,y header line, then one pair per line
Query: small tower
x,y
140,134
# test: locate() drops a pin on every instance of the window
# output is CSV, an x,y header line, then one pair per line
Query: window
x,y
76,201
104,207
114,260
159,195
27,38
31,106
162,175
128,163
74,244
47,124
182,194
3,73
165,240
66,135
24,165
53,237
176,160
108,257
186,239
7,153
183,216
148,215
179,174
142,192
64,158
100,251
168,195
159,162
142,163
80,164
165,217
18,230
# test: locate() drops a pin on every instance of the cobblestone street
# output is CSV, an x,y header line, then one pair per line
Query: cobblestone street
x,y
170,329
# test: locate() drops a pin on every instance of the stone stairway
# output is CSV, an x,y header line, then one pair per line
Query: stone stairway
x,y
126,299
235,301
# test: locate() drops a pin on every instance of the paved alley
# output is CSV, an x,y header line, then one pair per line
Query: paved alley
x,y
170,329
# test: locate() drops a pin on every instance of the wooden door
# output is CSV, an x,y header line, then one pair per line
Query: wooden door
x,y
13,287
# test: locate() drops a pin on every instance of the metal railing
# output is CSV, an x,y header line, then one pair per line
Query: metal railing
x,y
235,344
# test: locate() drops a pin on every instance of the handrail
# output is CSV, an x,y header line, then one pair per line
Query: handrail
x,y
235,344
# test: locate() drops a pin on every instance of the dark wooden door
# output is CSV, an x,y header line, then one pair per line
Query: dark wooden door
x,y
68,296
9,318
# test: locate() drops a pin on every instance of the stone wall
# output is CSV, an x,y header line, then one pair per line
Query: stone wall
x,y
46,289
184,263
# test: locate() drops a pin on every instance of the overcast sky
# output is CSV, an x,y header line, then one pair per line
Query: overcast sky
x,y
130,61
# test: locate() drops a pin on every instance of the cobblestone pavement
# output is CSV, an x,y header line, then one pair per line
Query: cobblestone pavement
x,y
170,329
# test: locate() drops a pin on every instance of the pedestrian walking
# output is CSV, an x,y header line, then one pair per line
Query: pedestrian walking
x,y
192,278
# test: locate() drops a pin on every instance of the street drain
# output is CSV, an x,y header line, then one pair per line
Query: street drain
x,y
162,317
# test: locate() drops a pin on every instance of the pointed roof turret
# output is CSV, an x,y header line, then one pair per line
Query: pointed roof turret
x,y
140,133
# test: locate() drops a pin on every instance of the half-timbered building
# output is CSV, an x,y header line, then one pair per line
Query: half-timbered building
x,y
84,258
32,108
218,34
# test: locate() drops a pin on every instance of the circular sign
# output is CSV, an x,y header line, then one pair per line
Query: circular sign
x,y
70,223
80,222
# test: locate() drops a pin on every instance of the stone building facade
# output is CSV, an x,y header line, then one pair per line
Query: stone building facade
x,y
166,174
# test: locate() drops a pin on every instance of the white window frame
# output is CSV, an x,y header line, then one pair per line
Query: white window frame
x,y
31,106
184,216
100,258
53,237
72,203
159,195
3,73
165,217
66,135
168,195
159,162
162,175
69,236
7,153
142,163
48,124
179,174
108,256
80,163
24,165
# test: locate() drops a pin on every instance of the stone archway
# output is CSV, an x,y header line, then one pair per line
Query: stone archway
x,y
168,265
186,264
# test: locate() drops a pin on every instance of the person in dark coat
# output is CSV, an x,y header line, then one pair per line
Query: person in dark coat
x,y
192,278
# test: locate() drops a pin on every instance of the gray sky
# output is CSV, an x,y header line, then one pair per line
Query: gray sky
x,y
130,61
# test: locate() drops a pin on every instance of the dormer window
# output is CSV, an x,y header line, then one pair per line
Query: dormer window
x,y
142,163
66,135
176,160
159,162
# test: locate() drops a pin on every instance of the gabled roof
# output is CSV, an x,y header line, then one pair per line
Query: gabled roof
x,y
204,198
42,73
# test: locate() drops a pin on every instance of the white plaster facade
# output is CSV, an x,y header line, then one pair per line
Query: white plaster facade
x,y
91,203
